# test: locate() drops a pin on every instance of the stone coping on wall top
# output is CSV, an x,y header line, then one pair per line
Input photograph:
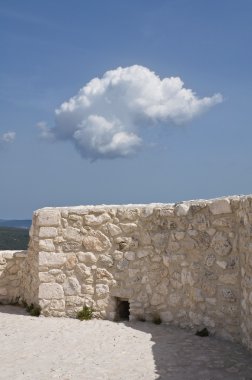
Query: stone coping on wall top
x,y
150,205
8,254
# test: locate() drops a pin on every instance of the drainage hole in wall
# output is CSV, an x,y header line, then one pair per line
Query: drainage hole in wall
x,y
123,310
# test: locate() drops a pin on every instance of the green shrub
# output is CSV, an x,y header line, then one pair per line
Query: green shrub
x,y
157,320
85,314
32,309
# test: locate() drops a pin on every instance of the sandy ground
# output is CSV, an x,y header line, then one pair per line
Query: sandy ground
x,y
61,348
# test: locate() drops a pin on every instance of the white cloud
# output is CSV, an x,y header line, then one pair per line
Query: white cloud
x,y
45,132
7,137
106,118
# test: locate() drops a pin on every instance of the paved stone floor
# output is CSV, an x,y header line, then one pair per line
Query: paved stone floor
x,y
58,348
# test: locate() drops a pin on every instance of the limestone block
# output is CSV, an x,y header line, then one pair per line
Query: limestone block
x,y
174,299
102,273
197,295
101,290
2,261
210,260
93,220
3,291
113,229
130,255
48,217
122,264
71,287
166,316
250,297
182,209
46,277
61,278
187,277
8,255
160,239
96,241
71,246
46,245
167,211
83,271
48,232
146,212
71,233
229,278
130,214
117,255
126,243
143,253
203,239
55,272
51,259
176,280
71,261
196,318
87,289
74,301
50,291
56,304
228,295
221,244
179,235
105,261
128,227
222,264
87,257
156,299
220,206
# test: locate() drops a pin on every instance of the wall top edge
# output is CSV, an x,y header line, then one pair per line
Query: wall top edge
x,y
151,205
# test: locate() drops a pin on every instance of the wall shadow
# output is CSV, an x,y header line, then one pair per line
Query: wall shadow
x,y
179,354
13,309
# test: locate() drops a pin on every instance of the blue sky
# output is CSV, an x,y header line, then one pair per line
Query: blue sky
x,y
52,49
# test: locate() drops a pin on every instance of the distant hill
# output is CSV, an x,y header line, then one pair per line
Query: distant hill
x,y
14,238
16,223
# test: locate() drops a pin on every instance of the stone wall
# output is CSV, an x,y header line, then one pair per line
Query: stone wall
x,y
245,249
189,264
11,270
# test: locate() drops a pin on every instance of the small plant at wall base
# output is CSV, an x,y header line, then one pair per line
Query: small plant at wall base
x,y
32,309
157,320
85,314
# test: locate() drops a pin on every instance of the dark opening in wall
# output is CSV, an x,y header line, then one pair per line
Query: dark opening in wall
x,y
122,310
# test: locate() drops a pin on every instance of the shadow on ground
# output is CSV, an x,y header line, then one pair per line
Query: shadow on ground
x,y
13,309
179,354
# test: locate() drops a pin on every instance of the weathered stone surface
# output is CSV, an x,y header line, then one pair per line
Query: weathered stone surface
x,y
182,209
48,232
93,220
130,255
46,245
220,206
114,230
71,287
221,244
50,291
101,290
71,233
189,263
96,241
87,257
48,217
51,259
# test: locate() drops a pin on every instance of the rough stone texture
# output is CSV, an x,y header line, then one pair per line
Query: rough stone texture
x,y
11,269
188,263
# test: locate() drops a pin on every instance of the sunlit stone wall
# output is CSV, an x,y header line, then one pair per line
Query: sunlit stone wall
x,y
189,264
